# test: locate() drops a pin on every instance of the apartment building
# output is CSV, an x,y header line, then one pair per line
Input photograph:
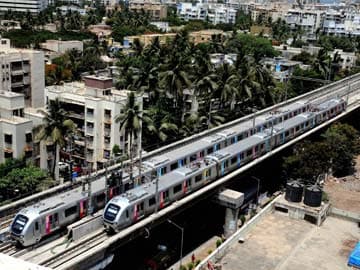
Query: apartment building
x,y
34,6
155,9
307,20
22,71
214,13
196,37
93,105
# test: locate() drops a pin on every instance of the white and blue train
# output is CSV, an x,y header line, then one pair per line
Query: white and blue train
x,y
127,208
180,171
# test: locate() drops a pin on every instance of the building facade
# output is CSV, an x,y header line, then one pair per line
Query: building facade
x,y
93,105
22,71
34,6
156,10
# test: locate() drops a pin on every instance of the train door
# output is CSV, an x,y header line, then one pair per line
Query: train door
x,y
180,163
51,222
164,198
239,160
37,232
187,186
82,208
138,211
216,147
223,167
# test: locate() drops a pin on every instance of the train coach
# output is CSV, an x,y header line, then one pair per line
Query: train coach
x,y
126,209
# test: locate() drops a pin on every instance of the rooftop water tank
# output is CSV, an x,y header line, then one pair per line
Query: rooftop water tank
x,y
313,196
294,191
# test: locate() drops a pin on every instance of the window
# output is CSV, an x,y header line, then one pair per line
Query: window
x,y
70,211
248,152
192,158
198,178
239,137
210,150
127,213
8,138
233,160
152,201
90,111
28,137
36,226
232,140
297,128
166,194
173,166
177,188
207,173
8,155
287,133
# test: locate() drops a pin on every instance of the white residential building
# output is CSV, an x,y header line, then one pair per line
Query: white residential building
x,y
22,71
16,138
93,106
34,6
214,13
61,46
307,20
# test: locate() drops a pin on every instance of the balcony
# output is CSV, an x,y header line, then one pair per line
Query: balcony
x,y
17,72
76,115
107,132
17,84
89,130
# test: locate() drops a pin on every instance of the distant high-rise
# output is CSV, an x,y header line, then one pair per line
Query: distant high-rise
x,y
33,6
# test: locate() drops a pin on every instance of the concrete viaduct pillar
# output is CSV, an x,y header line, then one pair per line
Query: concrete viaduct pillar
x,y
232,200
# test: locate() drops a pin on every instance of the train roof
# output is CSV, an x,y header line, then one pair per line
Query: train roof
x,y
185,150
292,122
328,104
172,178
238,147
293,106
66,198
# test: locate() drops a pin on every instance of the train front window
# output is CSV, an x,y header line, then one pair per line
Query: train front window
x,y
111,211
19,224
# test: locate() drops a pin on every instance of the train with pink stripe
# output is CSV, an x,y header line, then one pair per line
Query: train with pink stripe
x,y
128,208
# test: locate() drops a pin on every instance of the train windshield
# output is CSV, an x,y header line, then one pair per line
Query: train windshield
x,y
19,224
111,211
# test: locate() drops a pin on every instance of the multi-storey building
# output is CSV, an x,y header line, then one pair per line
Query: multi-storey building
x,y
93,105
214,13
34,6
155,9
16,131
22,71
306,20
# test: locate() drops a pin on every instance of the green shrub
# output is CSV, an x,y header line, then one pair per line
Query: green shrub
x,y
190,266
210,251
197,262
218,243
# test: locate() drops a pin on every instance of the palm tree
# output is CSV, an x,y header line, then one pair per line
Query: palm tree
x,y
131,121
54,129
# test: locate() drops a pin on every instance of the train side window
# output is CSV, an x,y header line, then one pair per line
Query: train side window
x,y
192,158
210,150
70,211
239,137
141,206
207,173
324,114
177,189
166,195
297,128
233,160
249,152
256,148
173,166
56,217
286,117
127,213
201,154
198,178
262,146
36,226
242,156
152,201
287,133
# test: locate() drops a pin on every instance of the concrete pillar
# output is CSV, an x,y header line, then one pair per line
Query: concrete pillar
x,y
231,221
232,200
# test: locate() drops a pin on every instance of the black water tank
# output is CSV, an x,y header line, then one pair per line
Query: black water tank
x,y
294,191
313,196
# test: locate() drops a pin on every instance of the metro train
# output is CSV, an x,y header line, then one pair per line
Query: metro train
x,y
35,222
183,155
129,207
48,216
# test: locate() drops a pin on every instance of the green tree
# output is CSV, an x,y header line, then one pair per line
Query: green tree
x,y
130,121
56,126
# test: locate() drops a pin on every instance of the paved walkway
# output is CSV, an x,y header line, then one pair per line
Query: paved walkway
x,y
282,243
